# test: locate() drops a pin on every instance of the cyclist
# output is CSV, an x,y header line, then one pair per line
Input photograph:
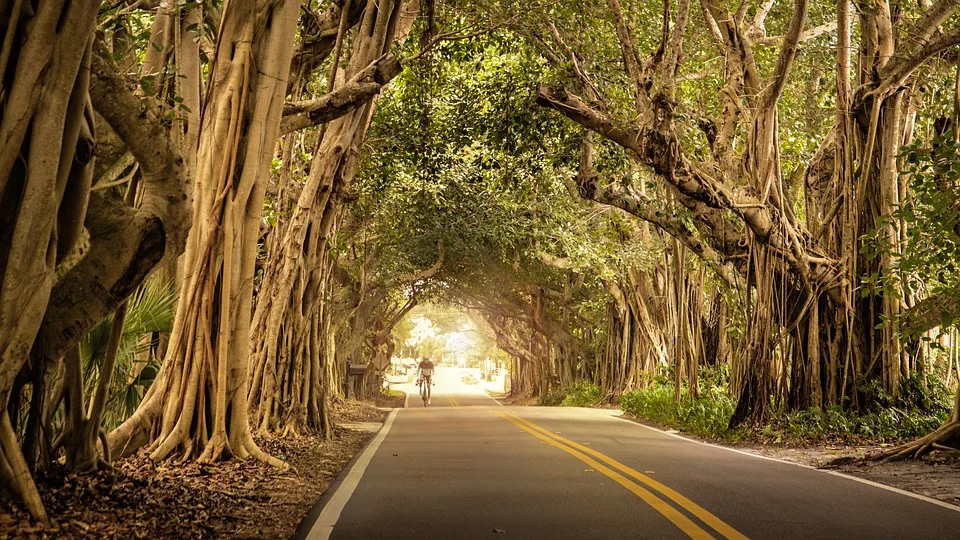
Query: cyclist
x,y
425,376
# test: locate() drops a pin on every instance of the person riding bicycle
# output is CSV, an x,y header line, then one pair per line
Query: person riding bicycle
x,y
425,374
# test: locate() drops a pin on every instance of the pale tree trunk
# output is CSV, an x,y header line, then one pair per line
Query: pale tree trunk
x,y
81,433
291,284
205,371
46,164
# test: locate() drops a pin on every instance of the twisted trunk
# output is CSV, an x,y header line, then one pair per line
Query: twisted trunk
x,y
204,376
292,282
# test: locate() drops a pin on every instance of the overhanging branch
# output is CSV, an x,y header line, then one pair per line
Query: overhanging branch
x,y
353,94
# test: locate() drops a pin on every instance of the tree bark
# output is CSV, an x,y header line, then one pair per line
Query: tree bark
x,y
205,371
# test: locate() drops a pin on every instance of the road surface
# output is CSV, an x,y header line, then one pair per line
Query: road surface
x,y
465,467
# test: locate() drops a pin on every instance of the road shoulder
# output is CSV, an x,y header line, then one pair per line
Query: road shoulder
x,y
935,477
320,520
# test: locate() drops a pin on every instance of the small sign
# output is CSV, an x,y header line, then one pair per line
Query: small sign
x,y
358,369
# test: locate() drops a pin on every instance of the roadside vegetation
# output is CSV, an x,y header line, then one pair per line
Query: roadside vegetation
x,y
920,407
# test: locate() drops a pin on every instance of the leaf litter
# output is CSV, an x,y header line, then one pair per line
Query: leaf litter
x,y
139,498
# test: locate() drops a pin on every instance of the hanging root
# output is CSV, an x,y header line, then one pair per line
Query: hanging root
x,y
105,448
946,437
16,467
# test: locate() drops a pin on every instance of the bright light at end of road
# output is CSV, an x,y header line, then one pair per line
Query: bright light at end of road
x,y
458,342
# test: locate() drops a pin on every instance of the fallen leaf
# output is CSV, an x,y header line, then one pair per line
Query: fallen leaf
x,y
499,531
588,470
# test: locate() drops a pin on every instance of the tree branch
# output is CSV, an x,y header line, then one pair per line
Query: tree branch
x,y
427,272
917,36
807,35
319,37
353,94
643,208
901,67
631,61
125,243
660,150
139,127
941,309
788,52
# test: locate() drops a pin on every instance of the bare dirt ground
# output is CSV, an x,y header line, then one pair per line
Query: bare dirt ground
x,y
515,400
235,499
937,475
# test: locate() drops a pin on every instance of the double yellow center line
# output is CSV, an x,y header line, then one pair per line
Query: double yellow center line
x,y
606,465
452,401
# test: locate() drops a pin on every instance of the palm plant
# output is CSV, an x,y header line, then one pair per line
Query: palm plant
x,y
149,313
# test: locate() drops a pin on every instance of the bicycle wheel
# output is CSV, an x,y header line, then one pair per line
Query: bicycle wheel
x,y
424,389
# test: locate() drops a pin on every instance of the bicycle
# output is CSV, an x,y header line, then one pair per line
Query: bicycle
x,y
424,383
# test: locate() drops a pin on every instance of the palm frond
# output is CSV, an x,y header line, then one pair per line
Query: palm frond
x,y
150,310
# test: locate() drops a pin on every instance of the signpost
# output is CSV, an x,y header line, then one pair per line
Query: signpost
x,y
354,370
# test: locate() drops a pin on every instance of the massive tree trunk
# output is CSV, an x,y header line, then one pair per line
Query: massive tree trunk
x,y
129,242
198,405
46,167
70,256
287,304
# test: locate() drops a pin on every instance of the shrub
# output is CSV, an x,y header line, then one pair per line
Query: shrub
x,y
921,407
887,423
925,394
707,415
582,394
552,398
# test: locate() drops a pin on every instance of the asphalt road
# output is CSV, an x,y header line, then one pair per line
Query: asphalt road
x,y
465,467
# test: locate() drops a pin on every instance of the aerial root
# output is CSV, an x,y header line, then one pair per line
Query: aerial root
x,y
944,438
16,472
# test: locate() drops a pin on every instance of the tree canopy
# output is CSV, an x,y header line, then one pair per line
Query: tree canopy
x,y
616,192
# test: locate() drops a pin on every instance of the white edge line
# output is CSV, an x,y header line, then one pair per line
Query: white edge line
x,y
804,466
406,399
323,527
495,400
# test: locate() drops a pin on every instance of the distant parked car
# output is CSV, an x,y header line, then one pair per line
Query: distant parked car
x,y
470,379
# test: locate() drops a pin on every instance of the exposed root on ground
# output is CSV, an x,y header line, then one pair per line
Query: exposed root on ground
x,y
946,437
